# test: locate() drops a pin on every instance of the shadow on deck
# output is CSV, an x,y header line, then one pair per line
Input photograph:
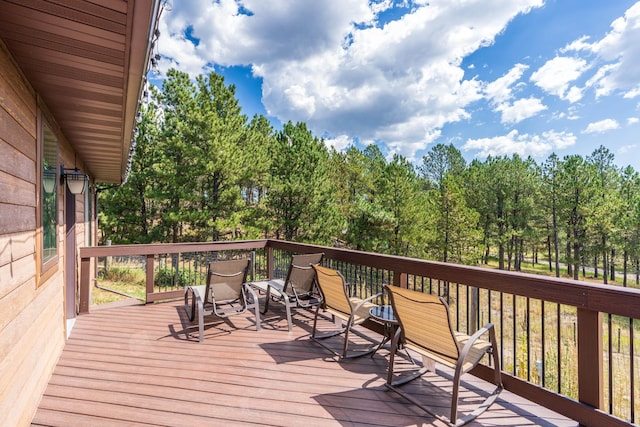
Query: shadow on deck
x,y
134,365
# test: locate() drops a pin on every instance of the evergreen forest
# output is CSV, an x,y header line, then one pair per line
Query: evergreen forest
x,y
203,171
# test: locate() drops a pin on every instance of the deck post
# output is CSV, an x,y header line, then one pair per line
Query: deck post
x,y
590,359
85,289
270,266
400,279
149,267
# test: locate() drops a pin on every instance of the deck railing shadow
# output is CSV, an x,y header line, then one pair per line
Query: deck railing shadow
x,y
565,345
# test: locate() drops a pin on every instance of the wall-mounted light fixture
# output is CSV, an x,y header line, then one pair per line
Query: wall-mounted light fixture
x,y
76,180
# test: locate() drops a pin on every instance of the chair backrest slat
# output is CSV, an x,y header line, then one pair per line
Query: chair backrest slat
x,y
225,279
425,321
301,274
332,286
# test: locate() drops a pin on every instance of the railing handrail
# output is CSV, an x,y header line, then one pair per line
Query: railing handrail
x,y
610,299
168,248
591,300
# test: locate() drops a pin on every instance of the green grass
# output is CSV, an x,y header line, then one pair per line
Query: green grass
x,y
122,280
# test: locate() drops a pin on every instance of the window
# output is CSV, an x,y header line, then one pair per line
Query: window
x,y
49,193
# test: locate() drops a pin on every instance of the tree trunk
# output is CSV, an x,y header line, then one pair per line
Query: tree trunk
x,y
569,259
625,258
549,253
576,252
612,265
605,261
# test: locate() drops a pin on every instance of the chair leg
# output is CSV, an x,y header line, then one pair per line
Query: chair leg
x,y
392,357
190,309
266,300
346,338
315,322
200,319
287,305
455,395
395,346
256,305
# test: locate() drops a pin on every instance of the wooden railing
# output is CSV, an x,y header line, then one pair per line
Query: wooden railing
x,y
476,295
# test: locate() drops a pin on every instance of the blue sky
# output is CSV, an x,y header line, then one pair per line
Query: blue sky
x,y
492,77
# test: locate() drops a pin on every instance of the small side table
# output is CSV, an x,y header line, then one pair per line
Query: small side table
x,y
384,314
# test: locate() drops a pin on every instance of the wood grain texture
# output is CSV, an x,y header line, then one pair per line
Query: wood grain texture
x,y
29,348
143,365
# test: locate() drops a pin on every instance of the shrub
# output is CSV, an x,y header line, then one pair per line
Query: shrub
x,y
122,274
166,277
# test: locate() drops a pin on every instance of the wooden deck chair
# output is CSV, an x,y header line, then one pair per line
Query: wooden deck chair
x,y
336,300
425,328
298,289
224,294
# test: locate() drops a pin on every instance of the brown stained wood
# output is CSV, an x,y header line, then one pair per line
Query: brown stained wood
x,y
142,364
14,218
73,54
35,353
170,248
113,44
6,251
17,164
85,74
590,358
17,30
16,191
18,338
16,95
101,9
117,5
16,135
105,127
45,55
41,10
604,298
22,245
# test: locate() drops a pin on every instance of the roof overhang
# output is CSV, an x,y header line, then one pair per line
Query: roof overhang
x,y
87,60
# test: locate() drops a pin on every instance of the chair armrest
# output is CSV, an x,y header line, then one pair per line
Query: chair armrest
x,y
469,344
366,300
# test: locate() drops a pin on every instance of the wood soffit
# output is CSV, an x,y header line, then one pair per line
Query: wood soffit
x,y
87,60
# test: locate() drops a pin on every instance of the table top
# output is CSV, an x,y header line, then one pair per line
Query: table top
x,y
383,313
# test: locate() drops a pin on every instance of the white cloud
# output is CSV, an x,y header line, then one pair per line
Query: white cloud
x,y
633,120
520,110
522,144
620,51
556,74
602,126
559,140
578,45
499,90
626,149
337,67
339,143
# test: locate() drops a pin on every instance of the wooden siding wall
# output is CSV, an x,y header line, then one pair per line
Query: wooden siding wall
x,y
32,317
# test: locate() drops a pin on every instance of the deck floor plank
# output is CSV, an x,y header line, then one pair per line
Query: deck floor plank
x,y
143,365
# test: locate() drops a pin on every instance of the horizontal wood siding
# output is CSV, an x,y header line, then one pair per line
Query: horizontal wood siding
x,y
31,317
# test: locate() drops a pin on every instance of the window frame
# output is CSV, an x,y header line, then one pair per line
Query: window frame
x,y
46,268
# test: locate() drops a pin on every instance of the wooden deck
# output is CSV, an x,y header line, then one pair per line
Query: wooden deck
x,y
142,365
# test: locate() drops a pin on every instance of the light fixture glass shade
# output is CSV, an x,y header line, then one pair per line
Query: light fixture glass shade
x,y
49,180
76,181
